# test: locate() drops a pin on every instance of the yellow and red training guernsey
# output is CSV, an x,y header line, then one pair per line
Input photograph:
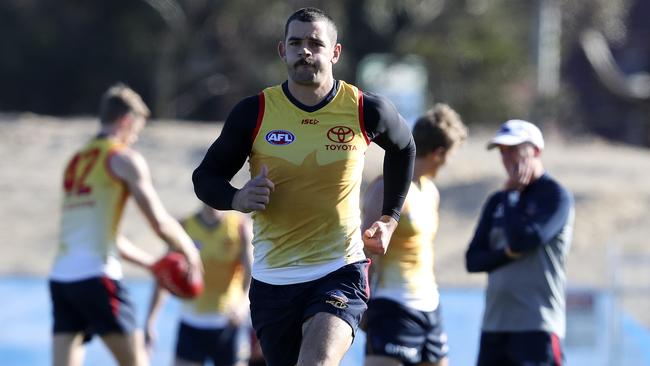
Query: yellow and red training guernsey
x,y
93,203
311,225
221,253
405,273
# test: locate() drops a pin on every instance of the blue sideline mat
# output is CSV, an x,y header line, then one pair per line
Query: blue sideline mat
x,y
26,321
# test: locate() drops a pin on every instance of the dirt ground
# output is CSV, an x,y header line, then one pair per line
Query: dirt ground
x,y
609,182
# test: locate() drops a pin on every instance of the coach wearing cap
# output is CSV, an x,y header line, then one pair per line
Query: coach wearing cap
x,y
522,240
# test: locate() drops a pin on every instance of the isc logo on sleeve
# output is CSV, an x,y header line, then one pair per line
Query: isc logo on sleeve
x,y
279,137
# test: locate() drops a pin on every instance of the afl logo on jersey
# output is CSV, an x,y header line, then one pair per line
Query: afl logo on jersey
x,y
279,137
340,134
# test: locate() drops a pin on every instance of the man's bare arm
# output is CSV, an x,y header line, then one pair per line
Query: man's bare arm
x,y
133,169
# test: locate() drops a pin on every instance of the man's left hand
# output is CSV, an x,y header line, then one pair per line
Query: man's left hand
x,y
377,236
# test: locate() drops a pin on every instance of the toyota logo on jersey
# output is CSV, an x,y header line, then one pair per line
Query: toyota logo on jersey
x,y
340,134
279,137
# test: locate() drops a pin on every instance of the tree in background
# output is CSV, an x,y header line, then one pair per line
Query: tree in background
x,y
608,68
57,56
192,59
224,51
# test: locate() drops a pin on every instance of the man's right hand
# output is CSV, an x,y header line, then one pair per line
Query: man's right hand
x,y
254,195
521,175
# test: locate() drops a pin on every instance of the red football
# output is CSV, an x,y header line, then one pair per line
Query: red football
x,y
171,271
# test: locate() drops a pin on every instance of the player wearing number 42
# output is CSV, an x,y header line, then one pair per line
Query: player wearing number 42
x,y
88,297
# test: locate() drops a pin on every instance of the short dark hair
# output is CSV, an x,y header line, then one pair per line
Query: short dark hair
x,y
119,100
439,127
311,15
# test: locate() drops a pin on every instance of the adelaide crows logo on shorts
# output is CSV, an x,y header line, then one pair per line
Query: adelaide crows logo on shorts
x,y
279,137
337,299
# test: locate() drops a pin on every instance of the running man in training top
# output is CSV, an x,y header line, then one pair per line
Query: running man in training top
x,y
305,140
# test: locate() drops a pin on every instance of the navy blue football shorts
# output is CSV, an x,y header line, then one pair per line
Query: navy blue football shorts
x,y
279,311
533,348
97,305
223,346
403,333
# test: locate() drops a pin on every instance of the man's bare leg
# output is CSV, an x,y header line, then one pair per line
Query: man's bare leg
x,y
180,362
375,360
325,340
442,362
128,349
67,349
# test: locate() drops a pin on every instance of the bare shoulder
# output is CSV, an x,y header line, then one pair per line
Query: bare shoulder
x,y
243,219
434,190
435,194
128,164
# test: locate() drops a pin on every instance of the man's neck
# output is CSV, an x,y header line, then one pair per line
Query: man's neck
x,y
310,95
423,167
107,132
210,219
418,170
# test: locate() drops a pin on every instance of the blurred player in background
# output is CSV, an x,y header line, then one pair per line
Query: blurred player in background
x,y
404,325
522,240
214,326
306,141
87,295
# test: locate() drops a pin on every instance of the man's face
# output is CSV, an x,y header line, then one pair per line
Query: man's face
x,y
309,51
514,156
134,124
